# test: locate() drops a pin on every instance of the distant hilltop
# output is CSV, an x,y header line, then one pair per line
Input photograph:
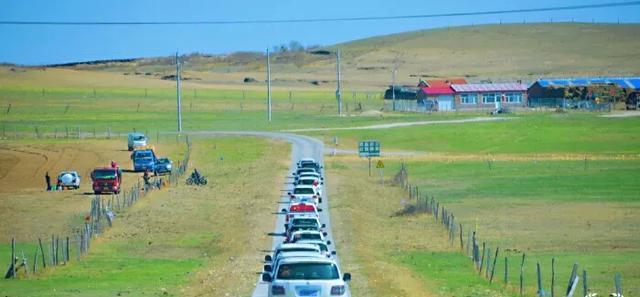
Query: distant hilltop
x,y
499,52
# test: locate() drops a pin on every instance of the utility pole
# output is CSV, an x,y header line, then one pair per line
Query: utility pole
x,y
268,86
178,93
393,88
338,92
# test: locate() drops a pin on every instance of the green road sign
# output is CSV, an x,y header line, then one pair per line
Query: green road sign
x,y
369,148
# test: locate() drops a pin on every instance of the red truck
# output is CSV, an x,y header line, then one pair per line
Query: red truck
x,y
106,180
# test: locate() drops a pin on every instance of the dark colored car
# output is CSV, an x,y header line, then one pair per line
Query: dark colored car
x,y
163,166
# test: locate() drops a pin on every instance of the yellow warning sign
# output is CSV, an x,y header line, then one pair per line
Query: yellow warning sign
x,y
380,164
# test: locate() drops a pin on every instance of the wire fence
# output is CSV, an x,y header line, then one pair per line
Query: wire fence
x,y
101,216
564,103
479,252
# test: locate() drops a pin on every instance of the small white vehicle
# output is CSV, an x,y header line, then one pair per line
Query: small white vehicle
x,y
136,140
307,276
311,181
305,193
69,180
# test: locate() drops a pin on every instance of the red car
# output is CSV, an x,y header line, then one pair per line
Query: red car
x,y
106,179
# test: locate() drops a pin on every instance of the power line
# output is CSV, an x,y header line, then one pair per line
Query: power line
x,y
324,20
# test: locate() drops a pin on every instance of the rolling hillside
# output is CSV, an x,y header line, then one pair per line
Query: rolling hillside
x,y
496,52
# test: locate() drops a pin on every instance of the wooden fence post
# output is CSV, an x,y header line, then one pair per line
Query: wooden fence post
x,y
461,243
574,273
539,278
553,277
506,271
13,257
35,261
44,262
67,252
482,259
585,288
488,266
522,273
493,267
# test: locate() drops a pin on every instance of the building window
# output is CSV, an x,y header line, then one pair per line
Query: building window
x,y
514,97
469,98
489,98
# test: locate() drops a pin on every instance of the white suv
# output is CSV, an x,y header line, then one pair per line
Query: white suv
x,y
305,193
308,277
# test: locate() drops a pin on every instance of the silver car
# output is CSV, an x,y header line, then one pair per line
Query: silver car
x,y
308,277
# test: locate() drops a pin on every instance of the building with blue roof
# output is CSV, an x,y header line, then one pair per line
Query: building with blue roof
x,y
555,88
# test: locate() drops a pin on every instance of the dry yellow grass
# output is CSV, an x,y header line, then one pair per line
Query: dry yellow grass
x,y
368,233
24,203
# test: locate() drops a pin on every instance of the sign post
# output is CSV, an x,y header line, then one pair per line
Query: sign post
x,y
368,149
380,167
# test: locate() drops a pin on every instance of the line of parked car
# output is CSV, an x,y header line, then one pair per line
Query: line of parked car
x,y
108,179
304,264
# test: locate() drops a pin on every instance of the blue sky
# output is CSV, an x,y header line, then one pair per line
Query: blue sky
x,y
33,45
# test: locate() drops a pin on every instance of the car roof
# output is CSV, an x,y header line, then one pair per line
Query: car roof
x,y
309,173
308,177
284,254
306,218
319,259
306,232
307,160
303,186
294,245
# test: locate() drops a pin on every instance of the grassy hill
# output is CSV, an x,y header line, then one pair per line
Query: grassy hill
x,y
496,52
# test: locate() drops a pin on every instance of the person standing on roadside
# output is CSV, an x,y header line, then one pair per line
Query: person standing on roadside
x,y
47,178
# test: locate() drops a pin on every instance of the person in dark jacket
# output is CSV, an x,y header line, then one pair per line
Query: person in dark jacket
x,y
47,178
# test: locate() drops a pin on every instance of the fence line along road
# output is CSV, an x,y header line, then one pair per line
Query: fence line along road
x,y
480,254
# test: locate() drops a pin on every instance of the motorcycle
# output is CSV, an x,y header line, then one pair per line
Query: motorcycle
x,y
197,179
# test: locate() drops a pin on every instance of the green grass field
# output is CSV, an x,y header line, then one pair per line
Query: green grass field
x,y
546,208
524,133
123,110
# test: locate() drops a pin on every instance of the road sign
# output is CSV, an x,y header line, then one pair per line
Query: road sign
x,y
380,165
369,148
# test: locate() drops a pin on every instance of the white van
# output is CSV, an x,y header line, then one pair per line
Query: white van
x,y
136,140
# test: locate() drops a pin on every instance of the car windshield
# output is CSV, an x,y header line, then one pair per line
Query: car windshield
x,y
145,155
305,221
163,161
304,228
307,236
297,249
104,174
308,165
307,181
138,138
302,191
308,271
